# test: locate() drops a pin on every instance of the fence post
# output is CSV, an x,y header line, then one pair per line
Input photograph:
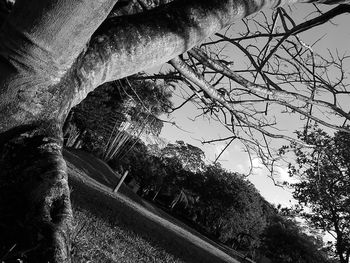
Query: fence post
x,y
120,182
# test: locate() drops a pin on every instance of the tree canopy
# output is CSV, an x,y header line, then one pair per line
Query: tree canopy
x,y
223,206
131,106
323,192
284,241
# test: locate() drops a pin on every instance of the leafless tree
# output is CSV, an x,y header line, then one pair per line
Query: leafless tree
x,y
282,76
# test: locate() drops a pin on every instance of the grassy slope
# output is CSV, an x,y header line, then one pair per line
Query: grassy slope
x,y
99,240
103,217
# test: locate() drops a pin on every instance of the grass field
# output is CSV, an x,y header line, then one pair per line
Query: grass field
x,y
124,228
99,240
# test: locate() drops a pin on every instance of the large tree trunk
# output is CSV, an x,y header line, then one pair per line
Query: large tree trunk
x,y
35,208
39,44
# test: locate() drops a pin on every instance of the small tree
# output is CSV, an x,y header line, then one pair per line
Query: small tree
x,y
323,192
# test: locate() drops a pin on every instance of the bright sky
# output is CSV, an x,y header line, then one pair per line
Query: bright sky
x,y
235,159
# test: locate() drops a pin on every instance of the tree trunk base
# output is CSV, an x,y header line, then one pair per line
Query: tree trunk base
x,y
35,210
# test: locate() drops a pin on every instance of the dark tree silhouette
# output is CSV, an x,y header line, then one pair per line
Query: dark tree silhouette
x,y
284,241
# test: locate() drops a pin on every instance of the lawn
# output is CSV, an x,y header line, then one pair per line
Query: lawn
x,y
99,240
125,228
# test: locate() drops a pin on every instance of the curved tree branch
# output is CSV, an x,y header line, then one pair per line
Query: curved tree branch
x,y
126,45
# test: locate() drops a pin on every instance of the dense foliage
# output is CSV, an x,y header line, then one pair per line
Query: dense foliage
x,y
284,241
191,157
221,204
323,192
130,105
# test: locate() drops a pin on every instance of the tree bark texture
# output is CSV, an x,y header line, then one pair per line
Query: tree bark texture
x,y
40,41
35,210
52,54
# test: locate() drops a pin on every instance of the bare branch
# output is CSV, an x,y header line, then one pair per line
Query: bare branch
x,y
280,96
199,80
